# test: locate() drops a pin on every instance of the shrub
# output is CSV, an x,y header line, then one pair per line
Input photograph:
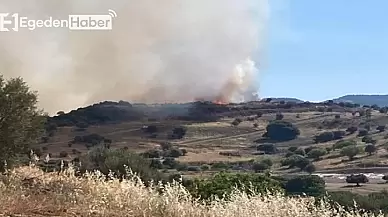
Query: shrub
x,y
156,164
166,146
255,125
267,161
236,122
267,148
118,161
370,149
170,162
309,185
152,154
75,151
344,143
300,151
317,153
308,149
324,137
350,151
259,114
368,139
381,128
173,152
205,167
193,169
282,131
337,116
357,179
362,132
230,153
223,184
151,129
310,168
292,149
295,161
179,132
279,116
260,167
289,154
352,129
63,154
385,177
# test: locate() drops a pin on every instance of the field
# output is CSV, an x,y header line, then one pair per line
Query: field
x,y
214,142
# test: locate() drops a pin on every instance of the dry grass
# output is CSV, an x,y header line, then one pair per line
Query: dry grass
x,y
64,194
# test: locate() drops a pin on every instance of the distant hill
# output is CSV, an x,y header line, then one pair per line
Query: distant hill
x,y
380,100
286,99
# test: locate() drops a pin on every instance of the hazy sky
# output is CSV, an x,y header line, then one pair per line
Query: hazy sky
x,y
320,49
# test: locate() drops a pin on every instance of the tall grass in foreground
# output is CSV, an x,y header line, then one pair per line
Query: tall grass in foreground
x,y
31,192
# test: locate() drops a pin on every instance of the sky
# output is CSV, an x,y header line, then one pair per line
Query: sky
x,y
323,49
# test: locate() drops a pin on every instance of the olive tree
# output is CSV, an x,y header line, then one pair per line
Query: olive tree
x,y
21,122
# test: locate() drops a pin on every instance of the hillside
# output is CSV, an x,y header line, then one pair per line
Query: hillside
x,y
380,100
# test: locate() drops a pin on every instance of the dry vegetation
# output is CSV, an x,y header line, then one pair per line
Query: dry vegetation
x,y
27,191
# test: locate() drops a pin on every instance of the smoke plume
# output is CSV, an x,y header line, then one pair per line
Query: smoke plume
x,y
157,51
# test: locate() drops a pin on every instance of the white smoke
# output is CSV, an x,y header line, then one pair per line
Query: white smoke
x,y
157,51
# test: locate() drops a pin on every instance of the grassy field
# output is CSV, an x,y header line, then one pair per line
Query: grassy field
x,y
205,141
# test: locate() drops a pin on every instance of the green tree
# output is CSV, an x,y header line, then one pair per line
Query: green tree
x,y
350,151
309,185
370,149
282,131
21,122
317,153
310,168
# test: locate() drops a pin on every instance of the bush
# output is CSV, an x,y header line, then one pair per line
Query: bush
x,y
317,153
118,161
267,148
362,132
329,136
368,139
324,137
308,185
337,116
344,143
165,146
255,125
179,132
63,154
279,116
170,162
381,128
267,161
173,152
260,167
300,151
222,185
310,168
292,149
156,164
236,122
370,149
193,169
352,129
151,129
205,167
295,161
282,131
385,177
308,149
350,151
152,154
357,179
